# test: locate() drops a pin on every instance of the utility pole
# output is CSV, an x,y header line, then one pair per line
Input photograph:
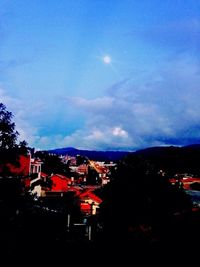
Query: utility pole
x,y
68,222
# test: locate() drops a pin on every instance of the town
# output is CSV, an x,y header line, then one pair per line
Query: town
x,y
147,201
61,210
79,190
55,194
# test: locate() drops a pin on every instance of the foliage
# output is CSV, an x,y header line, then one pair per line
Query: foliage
x,y
195,186
92,177
80,160
172,159
51,163
8,134
139,196
9,148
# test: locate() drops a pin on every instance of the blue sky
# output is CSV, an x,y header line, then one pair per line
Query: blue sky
x,y
102,74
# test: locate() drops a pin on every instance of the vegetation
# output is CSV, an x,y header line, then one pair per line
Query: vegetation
x,y
140,207
139,204
173,159
9,148
51,163
8,135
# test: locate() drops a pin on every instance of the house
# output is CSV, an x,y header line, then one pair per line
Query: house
x,y
105,180
185,182
102,172
189,181
36,167
82,169
35,174
60,183
89,202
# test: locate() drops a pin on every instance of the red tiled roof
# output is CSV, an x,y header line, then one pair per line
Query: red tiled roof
x,y
44,174
60,176
186,181
90,195
59,183
36,161
191,180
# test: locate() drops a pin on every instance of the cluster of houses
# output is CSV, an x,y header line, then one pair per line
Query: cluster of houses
x,y
41,185
55,186
185,181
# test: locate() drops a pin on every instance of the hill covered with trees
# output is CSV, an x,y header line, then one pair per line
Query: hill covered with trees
x,y
173,159
91,154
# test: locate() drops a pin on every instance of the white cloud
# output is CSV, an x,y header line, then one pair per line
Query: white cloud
x,y
88,104
96,135
150,112
132,113
117,131
23,114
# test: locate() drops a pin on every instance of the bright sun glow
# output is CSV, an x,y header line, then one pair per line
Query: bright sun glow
x,y
107,59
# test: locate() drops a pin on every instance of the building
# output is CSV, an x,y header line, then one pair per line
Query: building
x,y
35,176
89,202
60,183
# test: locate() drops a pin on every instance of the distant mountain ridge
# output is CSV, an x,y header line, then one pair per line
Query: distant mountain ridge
x,y
185,159
170,158
91,154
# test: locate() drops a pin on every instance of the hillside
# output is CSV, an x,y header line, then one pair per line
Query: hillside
x,y
94,155
173,159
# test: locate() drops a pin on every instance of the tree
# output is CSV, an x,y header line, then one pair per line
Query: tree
x,y
51,163
139,203
8,134
10,189
9,148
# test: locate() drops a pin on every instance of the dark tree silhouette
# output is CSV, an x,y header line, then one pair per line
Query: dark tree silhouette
x,y
51,163
8,134
9,148
139,204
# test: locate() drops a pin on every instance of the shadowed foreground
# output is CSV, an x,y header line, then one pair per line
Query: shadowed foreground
x,y
36,238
